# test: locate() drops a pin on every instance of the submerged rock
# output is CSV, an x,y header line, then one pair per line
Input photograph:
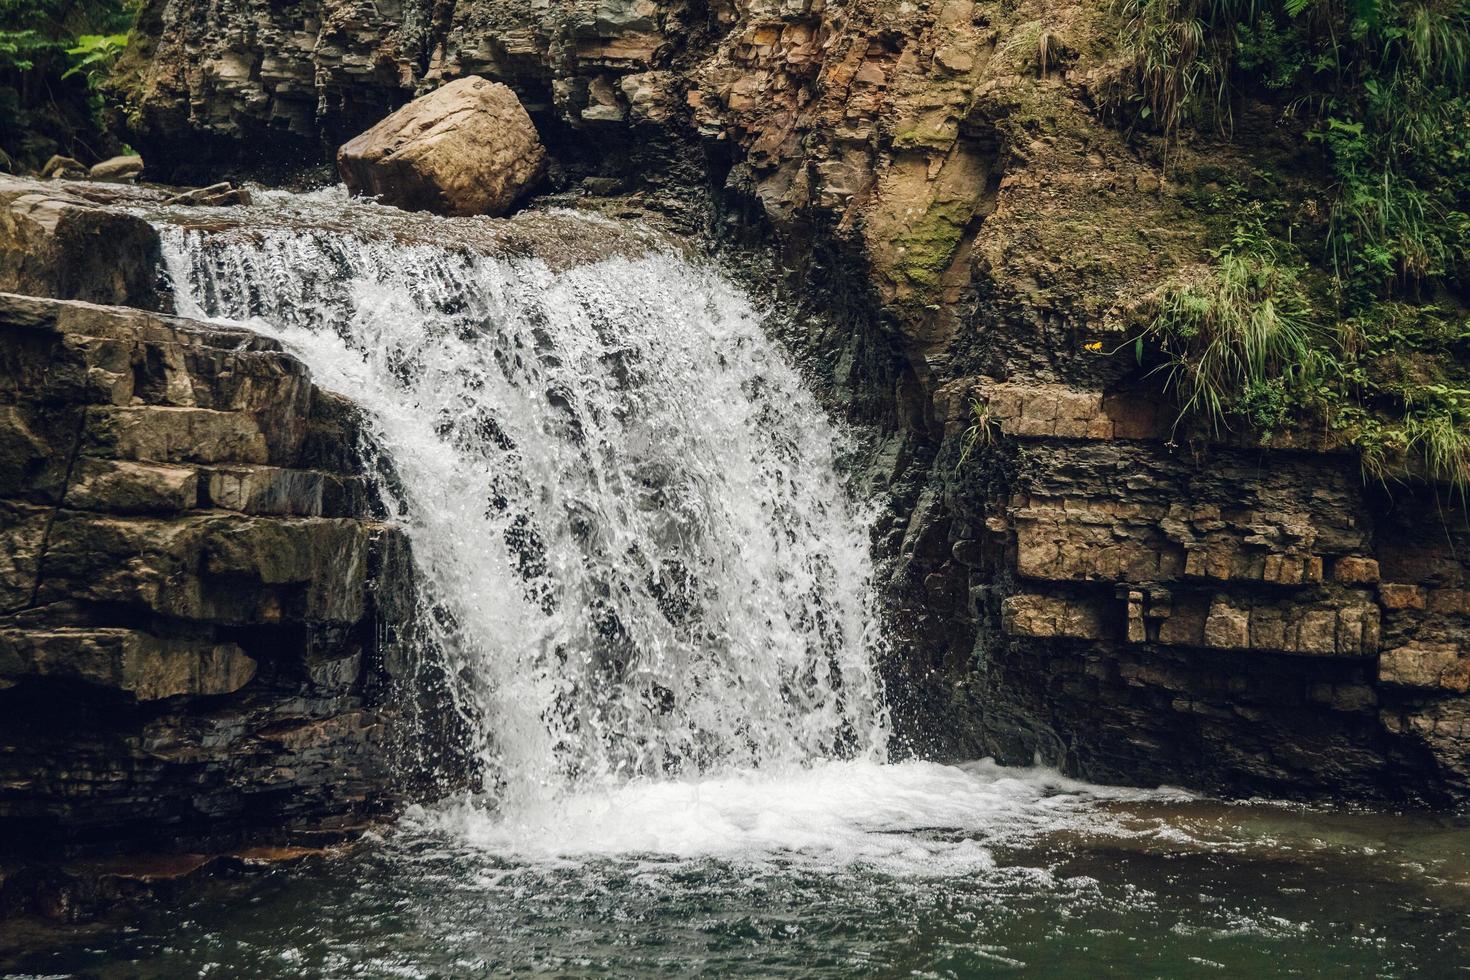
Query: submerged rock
x,y
117,168
467,148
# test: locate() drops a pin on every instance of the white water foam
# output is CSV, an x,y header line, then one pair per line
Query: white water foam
x,y
912,818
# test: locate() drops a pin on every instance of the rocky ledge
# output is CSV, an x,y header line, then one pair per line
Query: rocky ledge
x,y
195,598
55,240
1258,621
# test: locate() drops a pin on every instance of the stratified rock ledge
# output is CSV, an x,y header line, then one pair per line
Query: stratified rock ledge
x,y
197,604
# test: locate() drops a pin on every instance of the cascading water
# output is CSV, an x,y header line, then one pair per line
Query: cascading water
x,y
651,587
634,548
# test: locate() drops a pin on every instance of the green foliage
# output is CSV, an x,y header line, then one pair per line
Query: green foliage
x,y
93,54
1357,325
1395,140
983,430
1239,338
1403,392
1383,85
1276,55
53,56
1178,62
18,49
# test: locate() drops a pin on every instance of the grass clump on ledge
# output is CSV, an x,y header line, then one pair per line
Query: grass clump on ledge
x,y
1360,325
1239,337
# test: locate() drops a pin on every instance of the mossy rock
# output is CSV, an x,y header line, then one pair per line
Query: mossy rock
x,y
928,246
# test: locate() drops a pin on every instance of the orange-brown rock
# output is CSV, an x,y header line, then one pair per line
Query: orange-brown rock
x,y
466,148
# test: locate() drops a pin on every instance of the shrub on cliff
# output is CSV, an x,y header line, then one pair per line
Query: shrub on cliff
x,y
1380,87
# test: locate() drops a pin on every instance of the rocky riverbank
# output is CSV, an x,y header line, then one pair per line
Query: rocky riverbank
x,y
199,603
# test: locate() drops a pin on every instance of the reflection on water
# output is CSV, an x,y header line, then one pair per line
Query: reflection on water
x,y
846,869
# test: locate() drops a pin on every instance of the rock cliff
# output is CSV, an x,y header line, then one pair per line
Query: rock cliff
x,y
1083,584
197,605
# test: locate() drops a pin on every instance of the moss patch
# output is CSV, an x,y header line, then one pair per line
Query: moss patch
x,y
927,247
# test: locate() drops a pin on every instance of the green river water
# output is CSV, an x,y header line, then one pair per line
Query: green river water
x,y
1050,879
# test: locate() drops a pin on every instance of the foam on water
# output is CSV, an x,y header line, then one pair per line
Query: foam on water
x,y
911,819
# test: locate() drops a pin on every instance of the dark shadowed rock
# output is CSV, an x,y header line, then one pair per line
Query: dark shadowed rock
x,y
467,148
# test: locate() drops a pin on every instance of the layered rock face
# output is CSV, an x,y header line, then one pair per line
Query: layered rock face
x,y
1259,623
1080,587
196,603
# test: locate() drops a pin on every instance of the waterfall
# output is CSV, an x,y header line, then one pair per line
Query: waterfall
x,y
633,546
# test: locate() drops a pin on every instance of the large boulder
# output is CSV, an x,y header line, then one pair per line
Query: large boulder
x,y
466,148
126,167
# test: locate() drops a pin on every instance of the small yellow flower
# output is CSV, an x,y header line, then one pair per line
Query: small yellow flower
x,y
1095,346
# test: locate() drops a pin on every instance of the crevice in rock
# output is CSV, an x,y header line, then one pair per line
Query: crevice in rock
x,y
71,461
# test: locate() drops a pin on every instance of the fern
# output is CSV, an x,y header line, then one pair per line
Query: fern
x,y
93,54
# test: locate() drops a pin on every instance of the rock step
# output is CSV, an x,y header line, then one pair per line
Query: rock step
x,y
209,567
83,354
144,666
147,413
197,613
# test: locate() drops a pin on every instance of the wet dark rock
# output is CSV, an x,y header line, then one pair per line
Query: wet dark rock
x,y
223,194
74,891
193,648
